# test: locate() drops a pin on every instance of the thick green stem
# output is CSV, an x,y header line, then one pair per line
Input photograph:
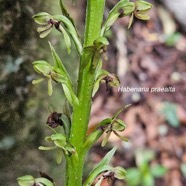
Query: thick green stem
x,y
81,113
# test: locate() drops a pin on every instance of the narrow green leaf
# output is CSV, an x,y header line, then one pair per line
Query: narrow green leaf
x,y
92,138
66,38
66,124
94,173
65,12
109,23
100,167
72,31
44,181
67,86
57,61
70,95
63,9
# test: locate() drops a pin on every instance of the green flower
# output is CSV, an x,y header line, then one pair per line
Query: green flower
x,y
45,20
46,23
29,180
60,144
114,125
49,72
44,68
141,11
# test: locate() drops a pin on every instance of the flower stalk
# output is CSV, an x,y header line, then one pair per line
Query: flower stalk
x,y
74,143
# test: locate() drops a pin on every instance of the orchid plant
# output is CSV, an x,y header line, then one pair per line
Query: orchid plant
x,y
74,143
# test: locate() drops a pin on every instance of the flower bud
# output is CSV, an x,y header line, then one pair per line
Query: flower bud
x,y
54,120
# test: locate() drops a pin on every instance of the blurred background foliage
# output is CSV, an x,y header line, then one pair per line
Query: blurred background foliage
x,y
150,54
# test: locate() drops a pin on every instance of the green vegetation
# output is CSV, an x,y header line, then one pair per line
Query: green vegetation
x,y
144,174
